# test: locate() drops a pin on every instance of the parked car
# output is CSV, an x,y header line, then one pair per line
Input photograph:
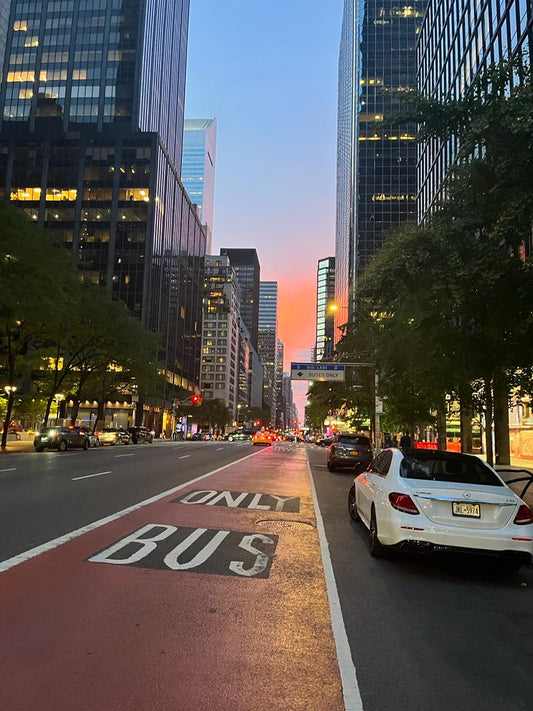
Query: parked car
x,y
114,435
243,435
60,438
263,437
349,450
94,440
436,500
140,435
325,441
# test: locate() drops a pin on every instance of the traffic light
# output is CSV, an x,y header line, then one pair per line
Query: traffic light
x,y
196,399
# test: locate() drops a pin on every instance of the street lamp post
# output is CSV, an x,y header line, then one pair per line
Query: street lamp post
x,y
58,398
10,391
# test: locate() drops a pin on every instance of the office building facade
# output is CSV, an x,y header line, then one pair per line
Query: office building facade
x,y
458,39
325,317
268,340
247,271
220,333
198,168
90,147
376,164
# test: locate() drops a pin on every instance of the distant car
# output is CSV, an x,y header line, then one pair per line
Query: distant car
x,y
60,438
140,435
244,435
436,500
94,440
114,435
325,441
349,450
263,437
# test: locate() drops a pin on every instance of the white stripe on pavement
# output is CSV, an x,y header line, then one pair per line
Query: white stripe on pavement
x,y
184,456
13,469
88,476
56,542
123,455
350,687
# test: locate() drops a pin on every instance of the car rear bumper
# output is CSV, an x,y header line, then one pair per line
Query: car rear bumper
x,y
486,541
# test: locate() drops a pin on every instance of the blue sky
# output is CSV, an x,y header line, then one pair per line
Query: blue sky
x,y
267,71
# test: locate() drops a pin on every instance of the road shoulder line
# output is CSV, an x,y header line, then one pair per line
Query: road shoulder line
x,y
350,687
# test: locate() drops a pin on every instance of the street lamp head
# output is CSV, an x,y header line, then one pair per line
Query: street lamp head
x,y
10,389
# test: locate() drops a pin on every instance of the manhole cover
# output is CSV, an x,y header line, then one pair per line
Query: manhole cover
x,y
276,523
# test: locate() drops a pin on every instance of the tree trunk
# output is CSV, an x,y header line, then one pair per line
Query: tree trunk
x,y
488,421
47,410
501,419
75,409
100,416
465,400
441,427
9,410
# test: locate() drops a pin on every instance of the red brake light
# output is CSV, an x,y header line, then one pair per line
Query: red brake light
x,y
524,515
403,502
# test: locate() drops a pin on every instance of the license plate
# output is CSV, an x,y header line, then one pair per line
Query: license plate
x,y
463,508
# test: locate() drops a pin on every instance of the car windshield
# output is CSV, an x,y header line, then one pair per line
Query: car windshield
x,y
354,440
443,466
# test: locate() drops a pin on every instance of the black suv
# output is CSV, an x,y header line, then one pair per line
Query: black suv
x,y
140,434
350,450
60,438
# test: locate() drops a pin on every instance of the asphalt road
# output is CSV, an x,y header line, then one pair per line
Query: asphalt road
x,y
44,495
427,633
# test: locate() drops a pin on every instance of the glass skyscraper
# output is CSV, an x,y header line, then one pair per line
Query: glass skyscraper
x,y
325,296
457,39
247,270
268,341
198,168
376,164
91,124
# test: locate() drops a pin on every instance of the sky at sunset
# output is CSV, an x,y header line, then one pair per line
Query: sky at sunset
x,y
268,73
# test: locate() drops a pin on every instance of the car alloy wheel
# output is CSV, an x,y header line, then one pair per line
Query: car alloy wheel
x,y
62,445
352,506
230,439
377,549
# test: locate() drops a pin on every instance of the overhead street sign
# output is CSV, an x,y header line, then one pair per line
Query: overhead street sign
x,y
317,371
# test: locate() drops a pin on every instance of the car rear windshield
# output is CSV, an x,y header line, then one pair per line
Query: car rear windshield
x,y
361,441
454,468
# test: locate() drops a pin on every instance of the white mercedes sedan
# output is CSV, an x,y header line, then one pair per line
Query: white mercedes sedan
x,y
433,500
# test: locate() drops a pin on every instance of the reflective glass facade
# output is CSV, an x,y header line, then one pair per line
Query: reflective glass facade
x,y
247,271
87,151
198,168
376,174
325,290
457,39
268,339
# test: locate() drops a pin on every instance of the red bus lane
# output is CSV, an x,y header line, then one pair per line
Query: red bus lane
x,y
211,598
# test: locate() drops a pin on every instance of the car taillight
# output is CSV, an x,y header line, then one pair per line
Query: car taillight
x,y
403,502
524,515
97,434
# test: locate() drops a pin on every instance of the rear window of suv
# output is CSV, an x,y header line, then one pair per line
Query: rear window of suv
x,y
355,440
442,466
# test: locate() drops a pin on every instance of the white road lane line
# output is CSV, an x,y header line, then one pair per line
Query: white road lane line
x,y
218,449
123,455
184,456
350,687
88,476
72,454
13,469
56,542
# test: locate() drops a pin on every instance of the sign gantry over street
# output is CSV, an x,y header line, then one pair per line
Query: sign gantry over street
x,y
317,371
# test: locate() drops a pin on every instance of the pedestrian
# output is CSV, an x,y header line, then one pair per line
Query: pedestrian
x,y
406,441
387,440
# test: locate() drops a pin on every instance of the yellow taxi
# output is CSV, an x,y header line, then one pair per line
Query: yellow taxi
x,y
262,437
